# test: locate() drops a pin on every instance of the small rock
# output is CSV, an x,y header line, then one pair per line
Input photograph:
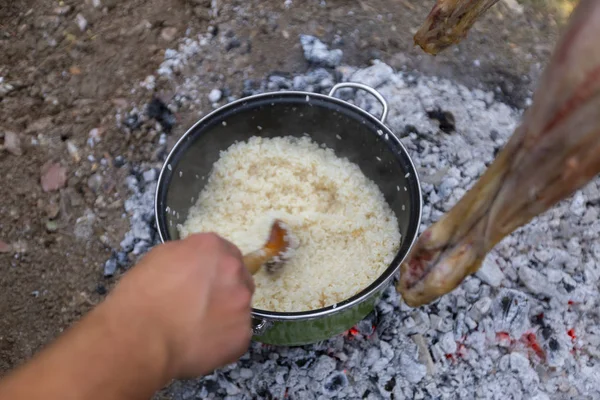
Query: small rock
x,y
51,226
490,273
12,143
52,209
81,22
110,267
54,176
215,95
39,126
73,151
96,134
168,33
317,52
64,10
5,247
84,226
95,182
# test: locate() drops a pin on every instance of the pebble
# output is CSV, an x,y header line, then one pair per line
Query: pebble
x,y
12,143
215,95
110,267
95,182
81,22
84,226
168,34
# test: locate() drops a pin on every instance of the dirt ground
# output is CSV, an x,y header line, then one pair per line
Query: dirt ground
x,y
60,83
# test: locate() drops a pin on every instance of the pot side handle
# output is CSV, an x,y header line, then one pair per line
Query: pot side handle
x,y
354,85
259,327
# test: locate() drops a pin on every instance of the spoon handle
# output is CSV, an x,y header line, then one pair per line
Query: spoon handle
x,y
253,261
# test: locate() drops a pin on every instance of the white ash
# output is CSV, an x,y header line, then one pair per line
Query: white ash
x,y
139,209
525,327
315,51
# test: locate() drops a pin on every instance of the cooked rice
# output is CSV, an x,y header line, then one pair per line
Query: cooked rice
x,y
347,234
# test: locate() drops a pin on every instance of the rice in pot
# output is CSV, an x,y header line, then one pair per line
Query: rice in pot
x,y
347,233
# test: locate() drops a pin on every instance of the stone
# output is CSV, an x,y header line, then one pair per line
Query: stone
x,y
110,267
84,226
53,177
95,182
5,247
168,34
12,143
82,23
215,95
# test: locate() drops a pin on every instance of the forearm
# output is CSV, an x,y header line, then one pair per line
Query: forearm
x,y
108,355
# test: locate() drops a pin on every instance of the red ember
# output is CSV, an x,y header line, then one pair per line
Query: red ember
x,y
531,341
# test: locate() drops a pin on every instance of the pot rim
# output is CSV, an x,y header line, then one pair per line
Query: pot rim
x,y
378,284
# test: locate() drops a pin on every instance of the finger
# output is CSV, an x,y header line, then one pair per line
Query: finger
x,y
232,249
247,279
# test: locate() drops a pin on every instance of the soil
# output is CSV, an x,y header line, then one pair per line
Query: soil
x,y
65,82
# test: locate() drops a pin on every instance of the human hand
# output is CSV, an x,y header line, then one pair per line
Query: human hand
x,y
194,296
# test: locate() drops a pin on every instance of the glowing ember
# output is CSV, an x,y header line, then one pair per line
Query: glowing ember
x,y
351,333
531,341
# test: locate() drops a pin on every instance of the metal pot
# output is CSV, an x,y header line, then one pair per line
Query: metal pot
x,y
365,140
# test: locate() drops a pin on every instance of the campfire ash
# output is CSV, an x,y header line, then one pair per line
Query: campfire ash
x,y
525,327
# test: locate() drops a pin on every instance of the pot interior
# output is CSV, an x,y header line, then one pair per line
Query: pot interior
x,y
349,131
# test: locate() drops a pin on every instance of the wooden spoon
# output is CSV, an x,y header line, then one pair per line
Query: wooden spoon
x,y
274,254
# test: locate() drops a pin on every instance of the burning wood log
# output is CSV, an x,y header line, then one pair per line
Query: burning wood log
x,y
449,22
554,152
